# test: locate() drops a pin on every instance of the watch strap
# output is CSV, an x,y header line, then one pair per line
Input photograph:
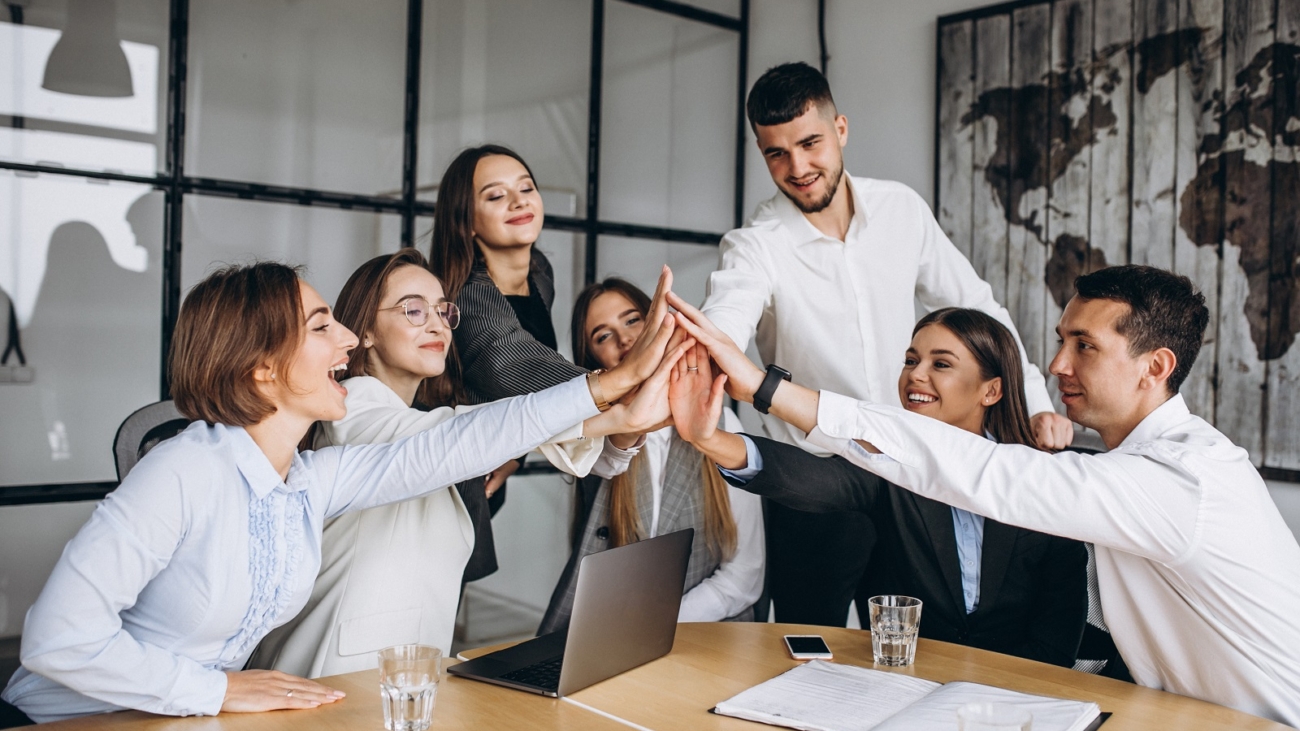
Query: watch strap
x,y
763,396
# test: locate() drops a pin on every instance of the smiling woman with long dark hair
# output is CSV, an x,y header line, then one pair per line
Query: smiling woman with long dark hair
x,y
983,583
214,538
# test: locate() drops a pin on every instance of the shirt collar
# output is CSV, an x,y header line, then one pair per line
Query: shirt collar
x,y
256,468
1158,422
802,230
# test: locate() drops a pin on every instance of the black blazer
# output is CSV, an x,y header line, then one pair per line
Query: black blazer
x,y
498,357
1033,599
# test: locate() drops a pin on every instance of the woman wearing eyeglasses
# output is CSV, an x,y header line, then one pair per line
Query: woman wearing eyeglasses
x,y
392,575
215,537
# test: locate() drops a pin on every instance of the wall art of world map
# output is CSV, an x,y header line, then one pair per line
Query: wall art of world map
x,y
1078,134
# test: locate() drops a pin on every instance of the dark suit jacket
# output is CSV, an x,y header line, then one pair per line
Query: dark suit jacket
x,y
498,357
1033,598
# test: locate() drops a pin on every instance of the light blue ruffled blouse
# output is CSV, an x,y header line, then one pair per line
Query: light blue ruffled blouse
x,y
203,550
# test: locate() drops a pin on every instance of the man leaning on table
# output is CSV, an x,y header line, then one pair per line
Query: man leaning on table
x,y
1200,577
824,277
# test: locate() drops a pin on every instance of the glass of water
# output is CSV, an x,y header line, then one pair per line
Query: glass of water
x,y
408,684
895,621
993,717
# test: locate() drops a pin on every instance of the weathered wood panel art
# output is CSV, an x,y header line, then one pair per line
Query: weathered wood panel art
x,y
1078,134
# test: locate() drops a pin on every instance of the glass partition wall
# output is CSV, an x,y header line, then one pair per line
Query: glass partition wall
x,y
145,142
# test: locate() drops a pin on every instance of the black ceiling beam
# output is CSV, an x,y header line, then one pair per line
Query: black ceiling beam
x,y
691,12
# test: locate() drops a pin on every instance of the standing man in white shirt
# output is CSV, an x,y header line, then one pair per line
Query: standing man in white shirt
x,y
824,278
1199,575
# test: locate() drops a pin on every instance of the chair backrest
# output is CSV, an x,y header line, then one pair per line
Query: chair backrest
x,y
142,431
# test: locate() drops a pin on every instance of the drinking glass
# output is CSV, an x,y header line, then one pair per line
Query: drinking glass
x,y
895,621
408,683
993,717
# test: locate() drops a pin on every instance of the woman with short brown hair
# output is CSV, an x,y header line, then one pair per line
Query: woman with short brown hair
x,y
214,538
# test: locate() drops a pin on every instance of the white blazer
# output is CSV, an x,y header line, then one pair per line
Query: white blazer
x,y
390,575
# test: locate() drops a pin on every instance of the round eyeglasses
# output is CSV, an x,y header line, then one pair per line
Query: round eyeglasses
x,y
417,311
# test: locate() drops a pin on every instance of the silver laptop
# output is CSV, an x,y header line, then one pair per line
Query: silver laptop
x,y
624,615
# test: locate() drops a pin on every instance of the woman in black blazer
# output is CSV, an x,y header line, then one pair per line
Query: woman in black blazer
x,y
488,218
983,583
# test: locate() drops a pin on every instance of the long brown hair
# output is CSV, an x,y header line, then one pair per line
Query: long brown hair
x,y
357,309
453,251
998,356
624,521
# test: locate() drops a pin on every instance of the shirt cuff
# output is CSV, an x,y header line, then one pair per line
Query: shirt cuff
x,y
753,465
842,418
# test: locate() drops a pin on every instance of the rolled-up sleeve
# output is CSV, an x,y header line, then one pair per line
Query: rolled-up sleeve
x,y
740,289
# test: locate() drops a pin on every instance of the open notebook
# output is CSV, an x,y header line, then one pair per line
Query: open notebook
x,y
826,696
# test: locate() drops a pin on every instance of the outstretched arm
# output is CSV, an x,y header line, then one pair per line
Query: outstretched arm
x,y
791,403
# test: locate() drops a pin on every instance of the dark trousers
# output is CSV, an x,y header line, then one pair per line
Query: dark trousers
x,y
815,562
11,717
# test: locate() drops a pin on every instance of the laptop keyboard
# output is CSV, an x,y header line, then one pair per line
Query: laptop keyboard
x,y
544,675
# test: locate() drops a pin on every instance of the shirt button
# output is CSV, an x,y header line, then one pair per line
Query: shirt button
x,y
602,532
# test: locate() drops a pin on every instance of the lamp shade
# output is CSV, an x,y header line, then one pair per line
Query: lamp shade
x,y
88,59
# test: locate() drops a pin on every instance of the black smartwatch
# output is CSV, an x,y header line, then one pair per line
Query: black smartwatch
x,y
763,396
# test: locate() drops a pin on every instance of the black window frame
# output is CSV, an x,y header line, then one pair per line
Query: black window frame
x,y
175,184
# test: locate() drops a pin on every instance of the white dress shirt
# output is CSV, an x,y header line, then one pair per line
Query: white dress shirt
x,y
839,314
390,575
1199,575
203,550
737,582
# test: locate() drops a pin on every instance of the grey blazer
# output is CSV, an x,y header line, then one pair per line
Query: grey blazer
x,y
498,357
680,506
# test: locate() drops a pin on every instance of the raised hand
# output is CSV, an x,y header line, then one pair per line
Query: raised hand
x,y
695,396
744,377
648,350
253,691
649,409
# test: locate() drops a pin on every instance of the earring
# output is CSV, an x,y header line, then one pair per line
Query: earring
x,y
368,343
272,376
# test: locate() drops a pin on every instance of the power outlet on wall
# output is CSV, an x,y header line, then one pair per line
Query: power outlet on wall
x,y
17,374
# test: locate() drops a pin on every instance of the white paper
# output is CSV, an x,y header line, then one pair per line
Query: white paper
x,y
826,696
938,710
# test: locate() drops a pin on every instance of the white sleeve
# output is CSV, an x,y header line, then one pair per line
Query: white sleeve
x,y
736,583
946,279
1144,504
614,461
372,419
74,635
739,291
468,445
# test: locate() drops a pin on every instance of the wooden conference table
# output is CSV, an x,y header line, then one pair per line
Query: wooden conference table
x,y
708,663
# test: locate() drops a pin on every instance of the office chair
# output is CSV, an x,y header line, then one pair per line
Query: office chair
x,y
142,431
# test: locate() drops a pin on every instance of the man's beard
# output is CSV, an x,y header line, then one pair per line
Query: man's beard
x,y
819,205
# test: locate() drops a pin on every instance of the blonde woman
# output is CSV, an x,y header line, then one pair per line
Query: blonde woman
x,y
661,485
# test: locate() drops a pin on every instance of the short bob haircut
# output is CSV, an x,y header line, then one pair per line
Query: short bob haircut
x,y
235,320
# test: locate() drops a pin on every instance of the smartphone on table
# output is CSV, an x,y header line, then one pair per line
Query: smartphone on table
x,y
807,647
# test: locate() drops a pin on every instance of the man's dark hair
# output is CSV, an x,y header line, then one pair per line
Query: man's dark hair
x,y
784,92
1165,311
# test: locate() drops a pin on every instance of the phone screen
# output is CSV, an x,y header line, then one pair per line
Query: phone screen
x,y
812,645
